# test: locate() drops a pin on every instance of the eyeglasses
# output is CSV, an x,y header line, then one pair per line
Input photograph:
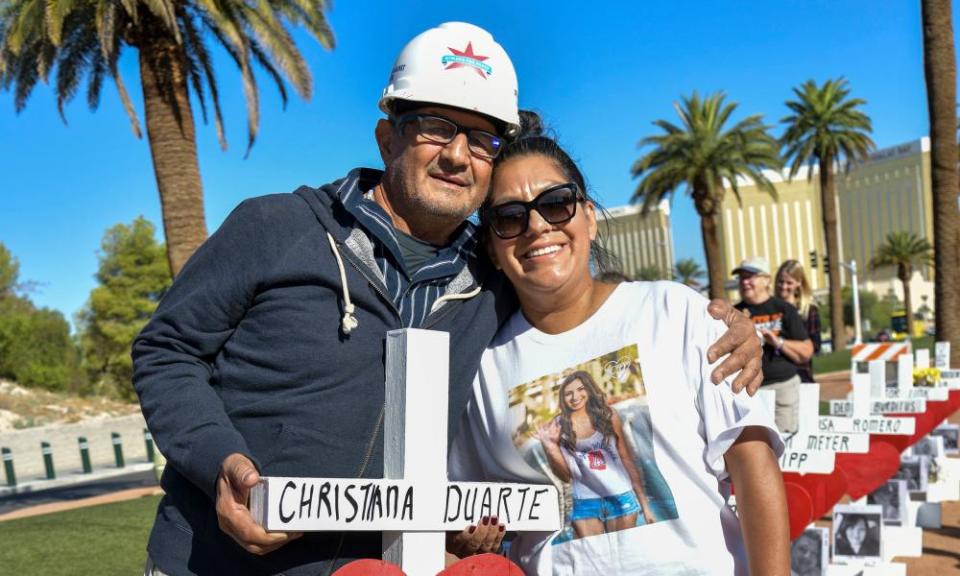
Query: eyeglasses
x,y
556,205
481,143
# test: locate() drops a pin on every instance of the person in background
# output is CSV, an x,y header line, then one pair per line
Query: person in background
x,y
793,287
786,343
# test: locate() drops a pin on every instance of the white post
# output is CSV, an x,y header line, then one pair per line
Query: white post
x,y
857,336
417,373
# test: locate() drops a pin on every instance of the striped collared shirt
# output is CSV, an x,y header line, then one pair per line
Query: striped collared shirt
x,y
413,292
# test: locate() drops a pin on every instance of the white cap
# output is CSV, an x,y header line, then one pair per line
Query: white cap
x,y
755,265
459,65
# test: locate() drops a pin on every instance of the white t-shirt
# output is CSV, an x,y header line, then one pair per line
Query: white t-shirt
x,y
596,467
645,352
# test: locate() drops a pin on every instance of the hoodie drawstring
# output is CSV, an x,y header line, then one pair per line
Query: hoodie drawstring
x,y
461,296
349,321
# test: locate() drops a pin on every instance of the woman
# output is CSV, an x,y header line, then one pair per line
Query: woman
x,y
541,226
586,447
855,536
793,287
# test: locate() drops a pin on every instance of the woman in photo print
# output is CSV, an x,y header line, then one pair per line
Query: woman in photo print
x,y
586,447
545,407
857,536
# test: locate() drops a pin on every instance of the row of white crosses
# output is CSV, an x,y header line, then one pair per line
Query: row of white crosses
x,y
415,505
846,430
813,448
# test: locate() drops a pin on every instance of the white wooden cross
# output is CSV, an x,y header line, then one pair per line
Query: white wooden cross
x,y
800,455
415,505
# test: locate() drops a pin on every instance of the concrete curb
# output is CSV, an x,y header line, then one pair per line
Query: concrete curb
x,y
34,486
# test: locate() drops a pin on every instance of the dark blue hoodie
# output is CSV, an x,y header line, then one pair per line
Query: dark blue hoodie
x,y
246,354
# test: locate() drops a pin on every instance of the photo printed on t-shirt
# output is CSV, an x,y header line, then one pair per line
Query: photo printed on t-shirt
x,y
588,428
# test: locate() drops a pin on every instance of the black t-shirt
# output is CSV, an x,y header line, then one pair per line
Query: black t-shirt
x,y
782,319
415,251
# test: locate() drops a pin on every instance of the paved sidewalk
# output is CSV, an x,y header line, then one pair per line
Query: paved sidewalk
x,y
129,494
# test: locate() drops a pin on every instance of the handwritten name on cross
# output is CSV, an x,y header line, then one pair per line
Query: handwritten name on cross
x,y
415,505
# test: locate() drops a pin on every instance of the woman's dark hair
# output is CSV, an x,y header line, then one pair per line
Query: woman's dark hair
x,y
849,521
601,415
532,141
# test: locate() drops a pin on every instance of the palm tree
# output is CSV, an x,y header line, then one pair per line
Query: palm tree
x,y
903,250
689,272
84,39
704,155
826,126
940,72
650,274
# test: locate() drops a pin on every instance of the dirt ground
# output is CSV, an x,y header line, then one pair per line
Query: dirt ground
x,y
941,548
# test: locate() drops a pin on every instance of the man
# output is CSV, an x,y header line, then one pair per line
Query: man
x,y
267,354
786,343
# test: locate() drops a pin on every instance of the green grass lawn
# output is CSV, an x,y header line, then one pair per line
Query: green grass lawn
x,y
840,360
107,540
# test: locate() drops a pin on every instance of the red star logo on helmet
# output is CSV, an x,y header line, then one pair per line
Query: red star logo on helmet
x,y
467,54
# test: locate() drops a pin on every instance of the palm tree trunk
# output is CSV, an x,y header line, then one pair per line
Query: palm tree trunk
x,y
829,209
170,130
940,72
905,274
711,248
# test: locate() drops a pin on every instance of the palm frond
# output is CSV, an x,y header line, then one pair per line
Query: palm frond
x,y
55,12
704,155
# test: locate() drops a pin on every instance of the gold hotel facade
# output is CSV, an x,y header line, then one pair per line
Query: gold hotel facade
x,y
889,192
639,241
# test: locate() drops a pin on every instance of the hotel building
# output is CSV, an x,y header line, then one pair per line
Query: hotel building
x,y
639,241
889,192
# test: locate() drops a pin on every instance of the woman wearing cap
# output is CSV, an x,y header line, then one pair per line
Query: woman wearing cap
x,y
690,438
786,342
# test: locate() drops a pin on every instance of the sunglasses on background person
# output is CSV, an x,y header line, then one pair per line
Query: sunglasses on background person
x,y
556,205
481,143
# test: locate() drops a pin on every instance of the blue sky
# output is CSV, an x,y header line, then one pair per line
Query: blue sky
x,y
599,74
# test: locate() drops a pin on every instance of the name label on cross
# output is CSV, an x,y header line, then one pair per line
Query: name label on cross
x,y
328,504
845,443
912,406
414,505
872,425
933,393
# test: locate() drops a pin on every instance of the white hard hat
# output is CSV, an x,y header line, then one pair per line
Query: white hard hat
x,y
460,65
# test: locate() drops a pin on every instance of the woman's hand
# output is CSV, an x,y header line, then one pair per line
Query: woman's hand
x,y
549,433
648,516
483,538
645,509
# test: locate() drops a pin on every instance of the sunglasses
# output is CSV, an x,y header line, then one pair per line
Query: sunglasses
x,y
556,205
481,143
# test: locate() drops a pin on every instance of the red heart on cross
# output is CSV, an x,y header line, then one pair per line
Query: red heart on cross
x,y
824,490
867,472
800,508
479,565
